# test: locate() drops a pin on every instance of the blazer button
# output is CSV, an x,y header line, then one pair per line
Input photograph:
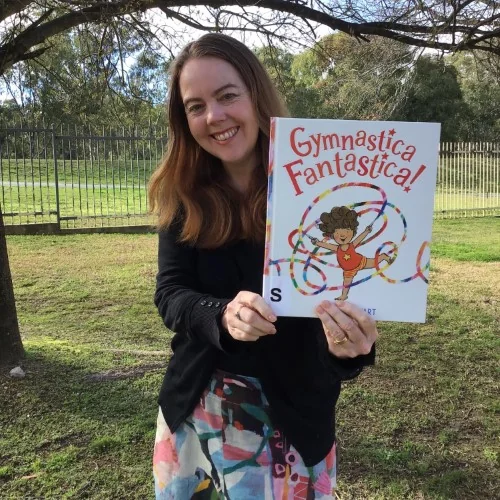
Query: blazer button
x,y
217,304
203,302
210,304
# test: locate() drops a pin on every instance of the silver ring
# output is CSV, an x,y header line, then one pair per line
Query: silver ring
x,y
238,313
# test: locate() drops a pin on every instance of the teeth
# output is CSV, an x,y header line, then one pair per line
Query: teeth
x,y
226,135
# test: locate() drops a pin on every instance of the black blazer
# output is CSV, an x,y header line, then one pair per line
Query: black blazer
x,y
299,376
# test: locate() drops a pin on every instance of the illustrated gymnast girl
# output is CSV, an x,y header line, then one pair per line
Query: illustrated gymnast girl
x,y
341,224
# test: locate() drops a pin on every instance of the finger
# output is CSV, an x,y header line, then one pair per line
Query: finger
x,y
258,304
366,323
251,330
340,345
332,330
337,338
336,320
243,336
343,347
339,351
361,342
253,319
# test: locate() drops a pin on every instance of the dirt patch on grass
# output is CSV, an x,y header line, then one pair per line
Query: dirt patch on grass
x,y
470,283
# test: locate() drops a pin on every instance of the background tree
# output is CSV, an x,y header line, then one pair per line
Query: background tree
x,y
301,99
99,76
11,347
278,63
8,111
341,78
479,80
107,60
360,81
462,25
435,96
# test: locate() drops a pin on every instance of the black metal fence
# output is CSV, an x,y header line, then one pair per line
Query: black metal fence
x,y
83,178
77,178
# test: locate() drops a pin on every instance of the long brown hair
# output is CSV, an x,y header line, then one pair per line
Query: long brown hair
x,y
193,182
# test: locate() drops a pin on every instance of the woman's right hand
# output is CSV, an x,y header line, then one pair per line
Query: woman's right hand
x,y
248,317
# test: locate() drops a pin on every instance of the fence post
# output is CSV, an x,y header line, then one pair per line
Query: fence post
x,y
56,176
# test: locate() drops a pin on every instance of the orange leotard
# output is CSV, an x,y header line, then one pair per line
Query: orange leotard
x,y
350,261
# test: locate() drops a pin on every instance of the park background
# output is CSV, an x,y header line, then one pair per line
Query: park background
x,y
81,128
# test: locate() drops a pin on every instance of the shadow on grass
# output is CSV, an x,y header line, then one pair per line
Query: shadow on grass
x,y
64,433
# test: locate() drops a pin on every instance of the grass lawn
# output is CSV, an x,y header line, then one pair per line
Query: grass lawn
x,y
421,424
27,204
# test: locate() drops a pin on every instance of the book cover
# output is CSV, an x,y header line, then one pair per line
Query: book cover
x,y
349,215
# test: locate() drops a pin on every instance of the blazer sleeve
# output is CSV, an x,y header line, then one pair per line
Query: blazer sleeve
x,y
183,308
350,368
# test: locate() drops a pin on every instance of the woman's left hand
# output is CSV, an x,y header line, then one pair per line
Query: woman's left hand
x,y
349,330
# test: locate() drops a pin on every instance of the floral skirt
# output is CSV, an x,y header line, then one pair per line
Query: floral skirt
x,y
228,449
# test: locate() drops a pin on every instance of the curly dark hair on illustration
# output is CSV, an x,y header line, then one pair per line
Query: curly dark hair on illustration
x,y
338,218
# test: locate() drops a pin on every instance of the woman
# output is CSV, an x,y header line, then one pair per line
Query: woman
x,y
247,405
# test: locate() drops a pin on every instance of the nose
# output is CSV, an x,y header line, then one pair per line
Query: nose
x,y
215,113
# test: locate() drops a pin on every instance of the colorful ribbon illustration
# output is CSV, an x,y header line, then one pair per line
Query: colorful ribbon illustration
x,y
313,262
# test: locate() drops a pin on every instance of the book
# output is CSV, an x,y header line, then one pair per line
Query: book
x,y
349,216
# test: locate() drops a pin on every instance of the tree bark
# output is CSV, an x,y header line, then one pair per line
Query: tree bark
x,y
11,346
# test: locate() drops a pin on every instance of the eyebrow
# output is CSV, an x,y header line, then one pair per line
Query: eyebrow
x,y
214,93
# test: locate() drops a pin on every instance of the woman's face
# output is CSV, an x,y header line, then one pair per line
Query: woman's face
x,y
219,111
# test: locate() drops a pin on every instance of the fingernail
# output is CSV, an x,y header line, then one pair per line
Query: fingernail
x,y
320,310
272,317
340,303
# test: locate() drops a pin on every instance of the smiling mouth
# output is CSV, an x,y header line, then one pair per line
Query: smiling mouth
x,y
224,136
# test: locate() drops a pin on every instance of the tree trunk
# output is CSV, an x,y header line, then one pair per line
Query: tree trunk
x,y
11,346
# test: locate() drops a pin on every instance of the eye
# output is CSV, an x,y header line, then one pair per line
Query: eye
x,y
229,96
194,109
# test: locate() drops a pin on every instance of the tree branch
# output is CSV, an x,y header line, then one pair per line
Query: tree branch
x,y
10,7
476,21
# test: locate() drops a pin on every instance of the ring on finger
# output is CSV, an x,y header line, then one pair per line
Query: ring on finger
x,y
338,341
238,313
